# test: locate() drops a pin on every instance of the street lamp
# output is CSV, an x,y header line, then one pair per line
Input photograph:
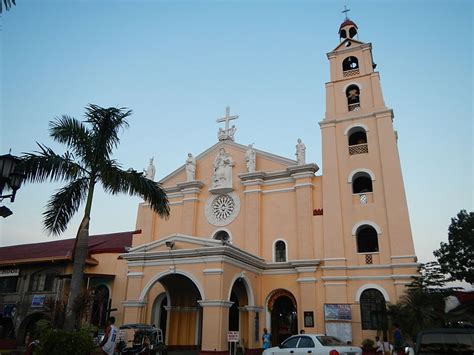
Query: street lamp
x,y
10,177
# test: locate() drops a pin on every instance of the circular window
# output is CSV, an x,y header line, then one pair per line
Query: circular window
x,y
222,209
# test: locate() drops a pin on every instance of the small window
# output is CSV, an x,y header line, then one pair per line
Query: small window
x,y
8,284
42,281
353,98
350,63
361,183
222,236
280,251
367,240
373,312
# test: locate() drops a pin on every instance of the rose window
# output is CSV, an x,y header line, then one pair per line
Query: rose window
x,y
223,209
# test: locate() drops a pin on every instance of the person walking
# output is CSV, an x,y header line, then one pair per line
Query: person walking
x,y
397,339
108,343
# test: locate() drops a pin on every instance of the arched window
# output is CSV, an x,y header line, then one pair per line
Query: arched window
x,y
350,63
353,98
280,251
361,183
373,310
367,239
357,139
223,236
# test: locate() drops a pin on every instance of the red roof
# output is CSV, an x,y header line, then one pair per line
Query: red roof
x,y
346,23
62,249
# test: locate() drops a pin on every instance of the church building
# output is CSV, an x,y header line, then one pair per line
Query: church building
x,y
255,240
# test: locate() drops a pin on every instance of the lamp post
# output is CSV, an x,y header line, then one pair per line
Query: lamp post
x,y
11,178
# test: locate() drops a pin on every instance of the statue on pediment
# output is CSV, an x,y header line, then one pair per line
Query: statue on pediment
x,y
250,158
190,168
222,176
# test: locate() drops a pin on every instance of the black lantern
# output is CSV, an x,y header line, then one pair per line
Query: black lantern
x,y
9,175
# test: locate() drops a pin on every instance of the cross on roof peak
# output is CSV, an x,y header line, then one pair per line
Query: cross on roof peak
x,y
345,11
227,132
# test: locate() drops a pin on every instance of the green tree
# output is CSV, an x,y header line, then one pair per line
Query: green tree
x,y
457,256
7,4
86,163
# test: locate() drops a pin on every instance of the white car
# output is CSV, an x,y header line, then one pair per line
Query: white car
x,y
316,344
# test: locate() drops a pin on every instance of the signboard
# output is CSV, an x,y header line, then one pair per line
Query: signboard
x,y
37,301
233,336
308,319
9,272
337,312
340,330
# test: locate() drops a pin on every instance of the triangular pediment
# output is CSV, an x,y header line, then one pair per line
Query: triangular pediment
x,y
265,162
348,43
176,242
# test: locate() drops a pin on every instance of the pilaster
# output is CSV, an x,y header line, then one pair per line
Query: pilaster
x,y
215,324
190,191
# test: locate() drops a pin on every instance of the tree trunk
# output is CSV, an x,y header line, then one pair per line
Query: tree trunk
x,y
80,255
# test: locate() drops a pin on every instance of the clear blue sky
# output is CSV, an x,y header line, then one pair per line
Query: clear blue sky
x,y
177,64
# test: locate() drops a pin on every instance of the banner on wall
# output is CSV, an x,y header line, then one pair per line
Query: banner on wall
x,y
337,312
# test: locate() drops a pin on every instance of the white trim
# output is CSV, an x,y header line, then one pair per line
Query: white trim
x,y
213,235
355,125
248,288
286,250
252,191
303,280
134,303
369,223
157,277
216,303
286,180
402,256
367,286
175,203
213,271
285,189
306,184
135,274
335,284
360,170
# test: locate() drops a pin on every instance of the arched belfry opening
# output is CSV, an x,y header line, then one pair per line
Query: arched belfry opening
x,y
367,239
361,183
348,29
353,98
283,315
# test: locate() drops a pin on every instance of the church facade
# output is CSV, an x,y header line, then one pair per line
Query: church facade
x,y
256,240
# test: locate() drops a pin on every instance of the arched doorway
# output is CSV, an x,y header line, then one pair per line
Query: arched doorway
x,y
283,315
28,326
239,297
177,312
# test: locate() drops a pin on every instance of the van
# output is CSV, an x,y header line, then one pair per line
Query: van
x,y
445,341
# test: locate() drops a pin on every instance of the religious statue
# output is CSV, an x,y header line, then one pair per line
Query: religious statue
x,y
227,133
150,171
250,158
222,177
190,168
300,152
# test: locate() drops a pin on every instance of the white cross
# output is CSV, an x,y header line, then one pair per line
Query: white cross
x,y
227,118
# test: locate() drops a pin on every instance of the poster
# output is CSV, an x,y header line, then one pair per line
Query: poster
x,y
340,330
308,319
37,301
337,312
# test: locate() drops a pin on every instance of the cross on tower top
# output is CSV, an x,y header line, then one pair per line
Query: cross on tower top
x,y
345,11
227,133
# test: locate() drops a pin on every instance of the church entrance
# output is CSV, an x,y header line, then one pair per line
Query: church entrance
x,y
238,317
177,313
284,321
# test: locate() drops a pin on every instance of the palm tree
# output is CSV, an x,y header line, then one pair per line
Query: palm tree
x,y
7,4
86,163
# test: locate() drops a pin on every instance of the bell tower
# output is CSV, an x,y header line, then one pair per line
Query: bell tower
x,y
365,210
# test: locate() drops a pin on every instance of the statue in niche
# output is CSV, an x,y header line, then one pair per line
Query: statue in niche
x,y
190,168
222,177
300,152
250,158
150,170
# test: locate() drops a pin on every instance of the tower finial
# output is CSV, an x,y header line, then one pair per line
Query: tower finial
x,y
345,11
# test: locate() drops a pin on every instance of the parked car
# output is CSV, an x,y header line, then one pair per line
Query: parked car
x,y
316,344
445,341
146,340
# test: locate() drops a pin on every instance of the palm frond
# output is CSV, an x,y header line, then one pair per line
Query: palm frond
x,y
45,165
63,205
132,182
106,123
73,133
7,4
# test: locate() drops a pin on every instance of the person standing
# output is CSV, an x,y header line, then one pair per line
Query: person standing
x,y
108,343
266,338
397,339
387,347
378,345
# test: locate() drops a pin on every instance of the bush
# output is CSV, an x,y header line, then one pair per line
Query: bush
x,y
368,343
60,342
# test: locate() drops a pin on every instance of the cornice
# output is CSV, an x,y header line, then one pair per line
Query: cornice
x,y
374,114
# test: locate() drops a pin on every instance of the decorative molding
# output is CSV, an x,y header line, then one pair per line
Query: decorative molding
x,y
335,284
254,308
307,184
216,303
134,303
285,189
355,125
252,191
307,280
369,286
369,223
402,256
135,274
374,114
213,271
360,170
